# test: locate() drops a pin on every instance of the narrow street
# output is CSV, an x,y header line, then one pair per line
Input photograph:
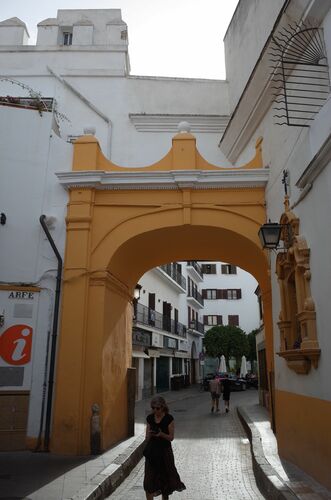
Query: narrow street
x,y
212,452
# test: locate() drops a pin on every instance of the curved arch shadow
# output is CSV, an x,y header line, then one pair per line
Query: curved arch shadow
x,y
170,244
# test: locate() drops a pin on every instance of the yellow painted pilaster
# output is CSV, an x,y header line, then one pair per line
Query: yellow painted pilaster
x,y
72,353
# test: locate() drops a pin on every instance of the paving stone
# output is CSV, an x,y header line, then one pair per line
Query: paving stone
x,y
212,454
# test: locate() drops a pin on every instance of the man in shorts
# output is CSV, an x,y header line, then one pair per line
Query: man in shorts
x,y
215,392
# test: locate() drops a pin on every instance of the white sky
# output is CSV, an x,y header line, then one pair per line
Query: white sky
x,y
181,38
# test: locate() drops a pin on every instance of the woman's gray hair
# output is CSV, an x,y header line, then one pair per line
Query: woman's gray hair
x,y
160,401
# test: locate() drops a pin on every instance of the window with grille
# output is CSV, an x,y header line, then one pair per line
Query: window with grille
x,y
208,268
228,269
233,294
209,294
67,37
212,320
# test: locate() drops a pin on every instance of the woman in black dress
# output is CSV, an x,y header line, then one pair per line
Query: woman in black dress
x,y
161,476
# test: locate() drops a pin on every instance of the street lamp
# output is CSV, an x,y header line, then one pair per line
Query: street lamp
x,y
269,235
136,292
136,297
271,232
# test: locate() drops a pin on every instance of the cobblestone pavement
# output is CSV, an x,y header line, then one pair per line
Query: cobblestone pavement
x,y
212,453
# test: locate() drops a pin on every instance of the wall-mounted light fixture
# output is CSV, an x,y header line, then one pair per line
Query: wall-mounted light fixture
x,y
269,235
136,297
136,292
271,232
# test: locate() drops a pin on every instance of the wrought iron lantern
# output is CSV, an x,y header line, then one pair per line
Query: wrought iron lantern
x,y
136,292
269,235
272,232
136,297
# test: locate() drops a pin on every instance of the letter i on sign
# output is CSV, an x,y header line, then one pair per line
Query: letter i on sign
x,y
15,345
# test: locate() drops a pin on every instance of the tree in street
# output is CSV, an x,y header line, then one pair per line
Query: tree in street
x,y
230,341
252,355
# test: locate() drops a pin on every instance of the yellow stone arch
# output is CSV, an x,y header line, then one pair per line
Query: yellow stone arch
x,y
122,222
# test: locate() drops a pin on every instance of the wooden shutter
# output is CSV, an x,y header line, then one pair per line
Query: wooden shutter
x,y
233,320
224,269
233,269
205,320
239,293
219,320
204,293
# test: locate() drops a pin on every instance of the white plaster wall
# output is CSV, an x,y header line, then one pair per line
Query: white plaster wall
x,y
96,71
153,282
245,37
29,188
294,148
246,307
13,35
116,98
99,18
82,35
48,35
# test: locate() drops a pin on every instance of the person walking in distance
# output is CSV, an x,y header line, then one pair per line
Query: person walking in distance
x,y
226,392
215,392
161,476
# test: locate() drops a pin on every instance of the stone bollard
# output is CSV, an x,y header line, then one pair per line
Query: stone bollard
x,y
95,430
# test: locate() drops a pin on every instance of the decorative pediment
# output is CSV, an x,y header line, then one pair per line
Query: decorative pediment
x,y
297,325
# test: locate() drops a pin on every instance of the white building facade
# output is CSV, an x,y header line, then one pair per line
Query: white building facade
x,y
81,64
271,96
229,298
77,77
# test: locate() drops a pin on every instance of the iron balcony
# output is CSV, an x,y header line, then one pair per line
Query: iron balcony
x,y
149,317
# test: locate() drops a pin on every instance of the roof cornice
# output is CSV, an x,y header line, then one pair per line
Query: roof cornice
x,y
173,180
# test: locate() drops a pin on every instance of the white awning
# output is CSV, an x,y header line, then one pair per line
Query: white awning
x,y
139,354
153,353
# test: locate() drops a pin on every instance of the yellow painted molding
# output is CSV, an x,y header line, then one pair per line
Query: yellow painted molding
x,y
183,155
21,288
105,278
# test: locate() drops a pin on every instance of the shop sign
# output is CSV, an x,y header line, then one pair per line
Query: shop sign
x,y
183,345
170,343
157,340
21,295
15,345
141,338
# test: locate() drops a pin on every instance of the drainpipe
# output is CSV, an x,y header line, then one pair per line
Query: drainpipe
x,y
42,220
88,103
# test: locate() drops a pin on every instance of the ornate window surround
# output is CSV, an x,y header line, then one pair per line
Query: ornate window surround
x,y
297,319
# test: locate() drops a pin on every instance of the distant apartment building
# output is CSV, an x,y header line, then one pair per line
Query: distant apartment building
x,y
229,299
178,303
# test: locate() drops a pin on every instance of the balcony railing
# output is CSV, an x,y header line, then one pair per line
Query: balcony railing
x,y
197,326
147,316
38,103
196,295
172,271
196,266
